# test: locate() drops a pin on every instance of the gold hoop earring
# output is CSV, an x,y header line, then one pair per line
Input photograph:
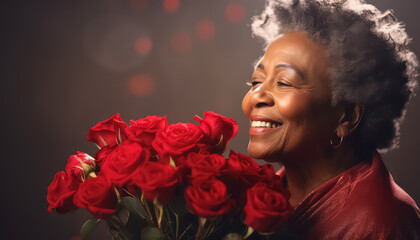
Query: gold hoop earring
x,y
338,145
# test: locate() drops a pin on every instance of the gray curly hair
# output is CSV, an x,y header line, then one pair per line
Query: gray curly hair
x,y
370,61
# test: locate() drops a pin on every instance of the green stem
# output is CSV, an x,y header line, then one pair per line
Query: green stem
x,y
146,206
185,231
177,225
169,221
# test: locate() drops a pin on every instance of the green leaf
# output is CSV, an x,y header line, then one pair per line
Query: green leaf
x,y
88,227
149,233
103,141
233,236
87,168
172,162
133,205
119,135
134,226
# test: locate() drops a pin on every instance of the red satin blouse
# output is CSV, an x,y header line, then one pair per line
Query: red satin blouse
x,y
363,202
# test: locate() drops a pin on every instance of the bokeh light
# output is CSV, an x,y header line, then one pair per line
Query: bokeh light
x,y
235,12
143,45
76,237
204,29
109,41
141,84
181,42
171,6
139,5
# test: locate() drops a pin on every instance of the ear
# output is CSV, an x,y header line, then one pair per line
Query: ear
x,y
349,119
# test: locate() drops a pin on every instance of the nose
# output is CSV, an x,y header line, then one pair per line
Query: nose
x,y
261,97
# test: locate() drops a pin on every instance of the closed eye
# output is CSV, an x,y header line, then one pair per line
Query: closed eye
x,y
281,84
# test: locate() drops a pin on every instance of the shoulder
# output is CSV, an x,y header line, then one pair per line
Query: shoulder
x,y
362,203
376,191
381,215
377,208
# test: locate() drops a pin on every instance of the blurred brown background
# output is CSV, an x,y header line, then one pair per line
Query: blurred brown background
x,y
65,65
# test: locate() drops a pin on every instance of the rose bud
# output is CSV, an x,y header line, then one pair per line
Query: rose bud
x,y
109,132
157,180
208,198
266,209
97,194
59,196
123,162
177,139
144,130
218,130
78,168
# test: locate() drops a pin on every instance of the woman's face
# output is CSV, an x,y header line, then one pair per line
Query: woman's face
x,y
288,105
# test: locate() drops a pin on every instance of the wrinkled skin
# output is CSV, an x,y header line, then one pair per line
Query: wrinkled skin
x,y
291,87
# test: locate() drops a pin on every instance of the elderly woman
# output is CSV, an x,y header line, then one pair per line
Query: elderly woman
x,y
331,90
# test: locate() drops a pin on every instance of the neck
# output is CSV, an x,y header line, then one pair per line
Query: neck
x,y
304,175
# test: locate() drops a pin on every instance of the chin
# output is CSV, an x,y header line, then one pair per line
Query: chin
x,y
259,153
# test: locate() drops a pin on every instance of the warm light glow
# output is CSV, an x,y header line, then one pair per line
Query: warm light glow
x,y
76,237
204,29
110,41
141,85
139,4
143,45
181,42
171,5
235,12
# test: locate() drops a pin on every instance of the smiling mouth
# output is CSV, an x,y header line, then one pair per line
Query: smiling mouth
x,y
265,124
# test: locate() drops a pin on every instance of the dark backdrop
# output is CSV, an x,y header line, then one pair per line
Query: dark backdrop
x,y
66,65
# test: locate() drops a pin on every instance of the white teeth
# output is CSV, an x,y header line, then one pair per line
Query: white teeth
x,y
264,124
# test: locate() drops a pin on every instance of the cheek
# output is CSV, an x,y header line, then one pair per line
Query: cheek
x,y
293,106
246,105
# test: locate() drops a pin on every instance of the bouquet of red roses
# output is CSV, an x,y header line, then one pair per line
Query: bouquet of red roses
x,y
154,180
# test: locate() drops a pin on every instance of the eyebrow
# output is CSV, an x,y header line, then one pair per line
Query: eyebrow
x,y
283,65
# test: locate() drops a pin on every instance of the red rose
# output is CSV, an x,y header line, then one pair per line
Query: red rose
x,y
218,130
266,173
245,167
102,154
276,183
157,180
59,196
145,129
109,132
249,170
241,162
97,194
266,209
205,164
208,198
78,167
123,162
178,139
